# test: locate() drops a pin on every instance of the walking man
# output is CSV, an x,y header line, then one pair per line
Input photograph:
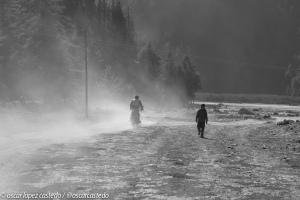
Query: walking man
x,y
201,119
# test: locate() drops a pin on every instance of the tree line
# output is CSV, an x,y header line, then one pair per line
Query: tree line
x,y
42,51
241,46
180,78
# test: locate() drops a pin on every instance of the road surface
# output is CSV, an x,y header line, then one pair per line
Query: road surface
x,y
166,160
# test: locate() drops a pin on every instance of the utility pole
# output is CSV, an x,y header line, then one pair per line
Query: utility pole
x,y
86,76
85,29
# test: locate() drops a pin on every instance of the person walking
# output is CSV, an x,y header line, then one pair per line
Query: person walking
x,y
201,119
136,106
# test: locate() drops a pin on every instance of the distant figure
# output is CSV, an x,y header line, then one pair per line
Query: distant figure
x,y
136,106
292,76
290,73
201,119
295,86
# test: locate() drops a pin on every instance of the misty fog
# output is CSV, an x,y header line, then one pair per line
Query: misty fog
x,y
235,47
165,51
105,95
238,46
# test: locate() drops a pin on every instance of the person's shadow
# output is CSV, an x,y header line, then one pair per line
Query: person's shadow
x,y
206,138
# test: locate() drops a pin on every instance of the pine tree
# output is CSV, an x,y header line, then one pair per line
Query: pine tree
x,y
10,11
191,78
118,20
130,28
168,74
151,62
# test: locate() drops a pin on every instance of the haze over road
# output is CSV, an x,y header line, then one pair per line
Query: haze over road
x,y
163,161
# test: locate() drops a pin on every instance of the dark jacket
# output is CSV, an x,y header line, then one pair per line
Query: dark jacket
x,y
201,116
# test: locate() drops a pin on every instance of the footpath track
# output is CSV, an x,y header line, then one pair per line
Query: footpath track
x,y
163,162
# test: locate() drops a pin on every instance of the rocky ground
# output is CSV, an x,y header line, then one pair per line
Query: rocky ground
x,y
244,156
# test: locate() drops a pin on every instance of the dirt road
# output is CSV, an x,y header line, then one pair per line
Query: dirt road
x,y
164,161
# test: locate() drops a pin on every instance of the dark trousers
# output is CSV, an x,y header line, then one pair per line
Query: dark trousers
x,y
201,127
